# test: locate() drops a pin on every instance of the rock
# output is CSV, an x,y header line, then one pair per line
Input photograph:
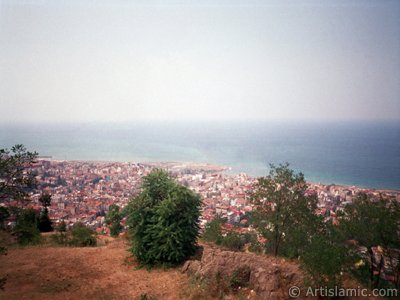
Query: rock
x,y
191,267
185,266
267,278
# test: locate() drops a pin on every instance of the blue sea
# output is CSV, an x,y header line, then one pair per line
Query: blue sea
x,y
365,154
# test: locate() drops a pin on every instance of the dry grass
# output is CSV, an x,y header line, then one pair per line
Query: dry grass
x,y
104,272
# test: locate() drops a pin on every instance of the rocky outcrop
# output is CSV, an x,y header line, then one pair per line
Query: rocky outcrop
x,y
270,277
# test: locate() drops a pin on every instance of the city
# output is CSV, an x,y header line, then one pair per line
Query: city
x,y
82,191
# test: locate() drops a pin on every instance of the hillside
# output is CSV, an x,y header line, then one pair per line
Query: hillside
x,y
104,272
108,272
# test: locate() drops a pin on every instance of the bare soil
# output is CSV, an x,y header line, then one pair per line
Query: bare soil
x,y
103,272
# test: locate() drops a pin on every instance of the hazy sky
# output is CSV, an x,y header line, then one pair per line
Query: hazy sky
x,y
218,60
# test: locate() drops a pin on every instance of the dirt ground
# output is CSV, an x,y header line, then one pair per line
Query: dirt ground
x,y
104,272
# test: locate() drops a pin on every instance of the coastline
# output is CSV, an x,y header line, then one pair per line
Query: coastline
x,y
178,166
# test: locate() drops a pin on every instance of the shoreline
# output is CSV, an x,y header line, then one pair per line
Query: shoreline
x,y
178,165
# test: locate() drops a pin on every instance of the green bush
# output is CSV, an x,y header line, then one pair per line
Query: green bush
x,y
62,227
113,220
26,228
163,221
233,241
145,297
4,214
256,247
82,236
60,238
212,231
45,224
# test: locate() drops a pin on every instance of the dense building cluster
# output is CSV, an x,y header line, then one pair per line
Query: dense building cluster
x,y
83,191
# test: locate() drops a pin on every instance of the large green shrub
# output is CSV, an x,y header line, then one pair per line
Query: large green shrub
x,y
163,220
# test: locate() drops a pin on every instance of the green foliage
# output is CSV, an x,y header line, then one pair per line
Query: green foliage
x,y
15,181
45,224
240,277
373,223
113,220
233,241
163,220
26,228
15,178
325,257
249,237
145,297
212,231
62,227
4,214
283,214
45,200
60,238
82,236
127,210
256,247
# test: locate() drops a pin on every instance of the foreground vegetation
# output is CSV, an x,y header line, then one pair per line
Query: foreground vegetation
x,y
285,218
163,221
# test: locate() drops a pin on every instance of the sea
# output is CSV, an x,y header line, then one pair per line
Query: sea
x,y
365,154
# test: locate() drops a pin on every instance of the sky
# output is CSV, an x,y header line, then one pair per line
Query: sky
x,y
117,61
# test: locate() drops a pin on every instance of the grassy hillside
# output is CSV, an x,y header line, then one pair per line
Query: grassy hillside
x,y
103,272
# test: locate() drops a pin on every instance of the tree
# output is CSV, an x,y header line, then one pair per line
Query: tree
x,y
284,214
375,225
325,256
4,214
15,177
62,227
163,220
15,180
212,231
45,224
26,228
113,220
45,200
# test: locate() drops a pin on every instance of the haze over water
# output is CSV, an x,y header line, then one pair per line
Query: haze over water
x,y
351,153
241,83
